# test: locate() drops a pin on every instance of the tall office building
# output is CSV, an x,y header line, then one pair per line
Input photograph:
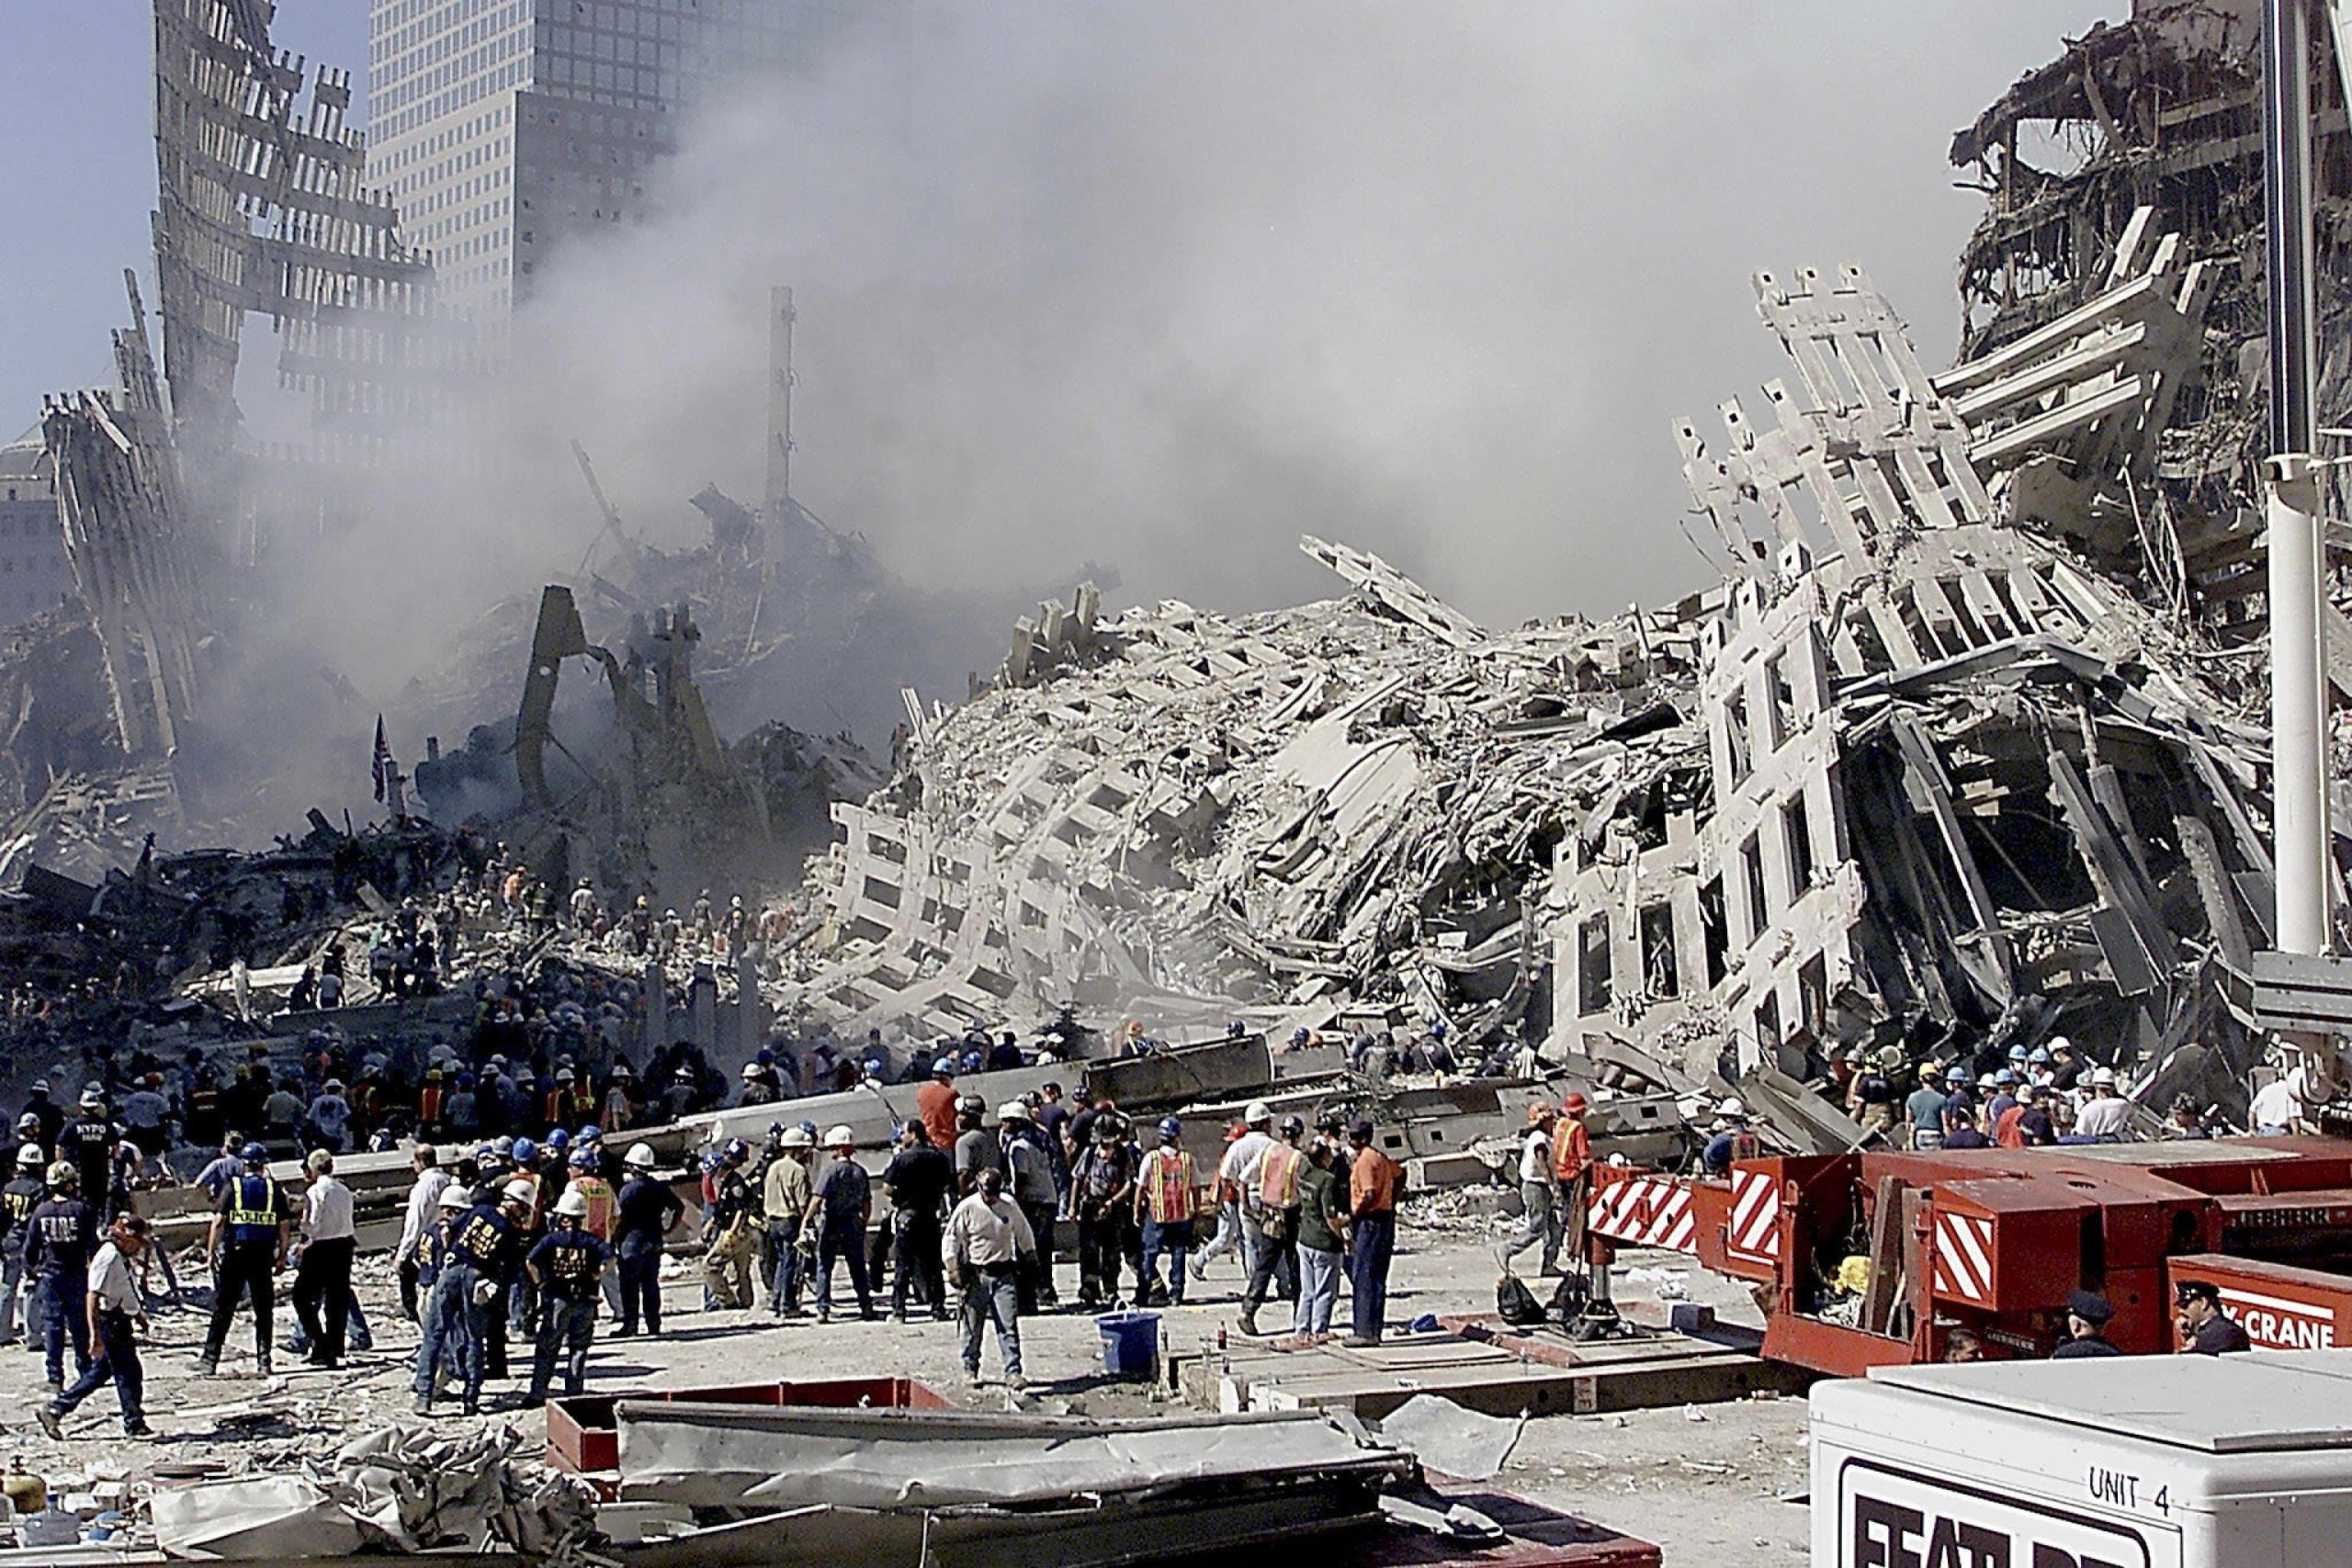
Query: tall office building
x,y
501,128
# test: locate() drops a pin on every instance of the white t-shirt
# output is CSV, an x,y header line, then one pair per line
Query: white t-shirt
x,y
1535,1155
2104,1117
2274,1107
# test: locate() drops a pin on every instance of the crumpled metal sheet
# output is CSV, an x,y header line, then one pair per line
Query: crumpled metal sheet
x,y
1447,1438
263,1516
710,1456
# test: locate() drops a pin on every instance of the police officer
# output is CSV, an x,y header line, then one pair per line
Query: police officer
x,y
2087,1316
566,1265
247,1242
60,1235
18,1199
90,1141
2205,1328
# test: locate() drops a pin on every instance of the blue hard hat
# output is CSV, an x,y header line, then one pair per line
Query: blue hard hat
x,y
558,1140
766,1057
504,1146
2038,1056
525,1151
1957,1075
591,1133
583,1159
1170,1127
808,1127
2005,1076
487,1151
2017,1052
943,1068
734,1149
254,1154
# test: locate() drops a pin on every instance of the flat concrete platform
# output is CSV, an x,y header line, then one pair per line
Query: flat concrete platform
x,y
1497,1370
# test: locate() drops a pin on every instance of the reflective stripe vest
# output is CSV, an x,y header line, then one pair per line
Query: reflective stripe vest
x,y
1278,1177
254,1212
1168,1187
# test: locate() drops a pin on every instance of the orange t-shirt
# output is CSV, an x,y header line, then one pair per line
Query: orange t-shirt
x,y
936,1109
1372,1181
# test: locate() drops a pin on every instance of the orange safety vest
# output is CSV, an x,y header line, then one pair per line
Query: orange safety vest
x,y
428,1105
1571,1149
599,1194
1168,1192
1278,1177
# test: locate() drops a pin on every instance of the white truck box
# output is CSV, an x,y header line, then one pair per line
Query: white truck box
x,y
2125,1461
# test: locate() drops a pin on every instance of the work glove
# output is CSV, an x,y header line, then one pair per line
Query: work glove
x,y
485,1292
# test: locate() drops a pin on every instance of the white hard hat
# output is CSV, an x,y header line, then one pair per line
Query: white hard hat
x,y
1013,1111
798,1138
574,1203
840,1138
456,1197
2059,1042
2102,1077
750,1069
1731,1107
640,1157
1258,1111
28,1158
519,1192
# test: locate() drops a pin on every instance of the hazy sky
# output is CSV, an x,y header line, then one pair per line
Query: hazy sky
x,y
1168,284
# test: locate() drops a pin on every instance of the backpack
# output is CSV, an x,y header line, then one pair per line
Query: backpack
x,y
1515,1304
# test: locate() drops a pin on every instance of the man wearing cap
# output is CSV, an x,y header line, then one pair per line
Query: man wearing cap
x,y
2066,1065
977,1149
1237,1172
917,1181
2087,1314
1102,1190
644,1215
474,1277
1923,1112
18,1199
987,1239
47,1112
1572,1169
1538,1193
1029,1182
248,1238
2205,1328
1164,1201
1960,1130
60,1235
90,1141
2004,1101
1373,1182
784,1199
1733,1142
1272,1206
935,1104
841,1202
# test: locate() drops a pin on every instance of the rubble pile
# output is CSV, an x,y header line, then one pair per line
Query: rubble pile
x,y
1922,772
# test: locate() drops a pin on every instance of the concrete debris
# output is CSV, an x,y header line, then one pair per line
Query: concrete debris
x,y
1452,1440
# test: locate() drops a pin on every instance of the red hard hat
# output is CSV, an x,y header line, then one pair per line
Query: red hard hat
x,y
1575,1104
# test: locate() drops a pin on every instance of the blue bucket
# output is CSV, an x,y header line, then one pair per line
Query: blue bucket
x,y
1130,1345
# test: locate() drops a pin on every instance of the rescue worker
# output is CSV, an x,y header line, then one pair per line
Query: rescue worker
x,y
1322,1242
1960,1130
111,1309
784,1199
987,1236
1373,1181
1029,1181
60,1235
2087,1314
1923,1111
1164,1208
474,1277
2105,1119
2205,1328
918,1181
423,1212
1273,1204
247,1243
648,1211
1572,1168
975,1150
323,1274
727,1264
566,1265
841,1202
90,1141
1101,1187
18,1199
1734,1139
1538,1193
440,1337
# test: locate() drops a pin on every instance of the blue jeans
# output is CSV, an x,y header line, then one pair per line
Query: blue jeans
x,y
1175,1239
994,1294
848,1244
117,1364
1371,1246
360,1336
64,1316
565,1329
447,1335
783,1245
1318,1290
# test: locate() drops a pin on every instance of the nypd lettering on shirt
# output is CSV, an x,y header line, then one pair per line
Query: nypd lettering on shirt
x,y
1894,1519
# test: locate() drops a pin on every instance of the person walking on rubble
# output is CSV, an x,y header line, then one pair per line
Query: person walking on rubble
x,y
248,1240
566,1264
840,1206
112,1308
987,1238
648,1211
60,1235
1538,1193
18,1199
